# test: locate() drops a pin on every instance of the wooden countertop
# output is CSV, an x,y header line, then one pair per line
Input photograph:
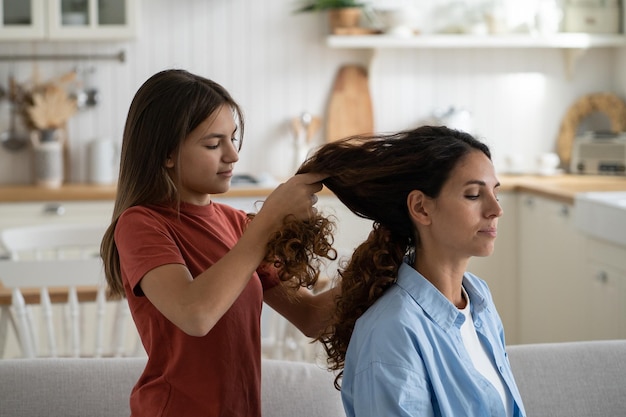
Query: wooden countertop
x,y
559,187
563,187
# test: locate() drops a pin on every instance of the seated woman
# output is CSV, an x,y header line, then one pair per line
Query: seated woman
x,y
414,333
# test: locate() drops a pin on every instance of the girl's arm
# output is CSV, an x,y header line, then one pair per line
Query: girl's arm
x,y
309,312
195,305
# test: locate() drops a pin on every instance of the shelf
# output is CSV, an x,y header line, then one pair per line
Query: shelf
x,y
561,40
573,45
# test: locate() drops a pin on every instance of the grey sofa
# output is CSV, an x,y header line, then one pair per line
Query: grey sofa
x,y
566,379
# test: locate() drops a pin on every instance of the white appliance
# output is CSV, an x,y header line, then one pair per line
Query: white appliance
x,y
599,154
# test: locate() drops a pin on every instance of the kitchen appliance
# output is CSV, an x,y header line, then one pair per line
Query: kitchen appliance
x,y
599,153
592,16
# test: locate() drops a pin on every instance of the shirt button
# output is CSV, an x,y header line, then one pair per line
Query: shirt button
x,y
478,323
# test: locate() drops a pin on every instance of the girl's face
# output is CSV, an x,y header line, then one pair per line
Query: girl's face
x,y
463,219
206,157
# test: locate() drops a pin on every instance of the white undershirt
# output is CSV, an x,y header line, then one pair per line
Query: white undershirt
x,y
480,358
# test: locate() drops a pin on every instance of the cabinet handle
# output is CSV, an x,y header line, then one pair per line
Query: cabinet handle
x,y
54,209
529,202
602,276
564,211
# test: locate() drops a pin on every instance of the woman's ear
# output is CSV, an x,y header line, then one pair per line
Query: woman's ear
x,y
169,162
418,206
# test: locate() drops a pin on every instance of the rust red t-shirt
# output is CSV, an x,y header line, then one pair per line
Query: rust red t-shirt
x,y
215,375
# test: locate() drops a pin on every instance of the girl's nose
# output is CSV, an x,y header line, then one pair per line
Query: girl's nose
x,y
231,154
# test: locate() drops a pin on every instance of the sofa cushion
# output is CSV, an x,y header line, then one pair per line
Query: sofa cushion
x,y
299,389
68,387
571,379
101,388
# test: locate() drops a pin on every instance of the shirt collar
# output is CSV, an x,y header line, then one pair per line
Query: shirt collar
x,y
433,302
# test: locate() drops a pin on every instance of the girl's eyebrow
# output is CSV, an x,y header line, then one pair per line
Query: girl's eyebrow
x,y
219,135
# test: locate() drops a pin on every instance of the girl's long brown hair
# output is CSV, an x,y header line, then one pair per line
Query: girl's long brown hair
x,y
164,111
373,177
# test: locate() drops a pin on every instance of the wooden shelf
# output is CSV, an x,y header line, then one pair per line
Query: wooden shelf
x,y
561,40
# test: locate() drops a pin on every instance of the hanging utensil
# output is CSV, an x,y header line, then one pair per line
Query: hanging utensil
x,y
12,140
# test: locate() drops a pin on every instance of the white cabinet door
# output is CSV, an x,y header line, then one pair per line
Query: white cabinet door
x,y
23,214
92,19
605,283
550,264
22,20
76,20
500,269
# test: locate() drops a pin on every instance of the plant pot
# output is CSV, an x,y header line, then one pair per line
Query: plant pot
x,y
346,17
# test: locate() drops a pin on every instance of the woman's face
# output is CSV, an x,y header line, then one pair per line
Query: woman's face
x,y
463,219
206,157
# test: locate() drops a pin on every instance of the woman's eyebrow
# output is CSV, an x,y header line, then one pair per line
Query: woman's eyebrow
x,y
481,183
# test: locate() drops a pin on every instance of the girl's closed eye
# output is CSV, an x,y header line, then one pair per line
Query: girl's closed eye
x,y
212,144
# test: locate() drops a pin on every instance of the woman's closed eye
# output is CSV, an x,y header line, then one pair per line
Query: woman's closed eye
x,y
477,196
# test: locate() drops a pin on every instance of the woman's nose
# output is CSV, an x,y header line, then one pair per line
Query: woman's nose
x,y
495,209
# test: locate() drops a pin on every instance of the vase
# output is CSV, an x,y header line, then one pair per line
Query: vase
x,y
48,157
346,17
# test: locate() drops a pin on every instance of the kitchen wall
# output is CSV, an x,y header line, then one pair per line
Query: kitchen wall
x,y
276,64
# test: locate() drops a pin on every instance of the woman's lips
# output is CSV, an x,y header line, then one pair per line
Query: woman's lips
x,y
490,231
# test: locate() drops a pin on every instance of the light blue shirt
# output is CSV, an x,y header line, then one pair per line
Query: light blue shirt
x,y
406,356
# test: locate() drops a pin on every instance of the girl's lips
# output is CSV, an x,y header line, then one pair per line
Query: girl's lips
x,y
226,173
491,231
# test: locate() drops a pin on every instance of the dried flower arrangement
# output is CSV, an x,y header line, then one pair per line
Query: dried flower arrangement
x,y
48,105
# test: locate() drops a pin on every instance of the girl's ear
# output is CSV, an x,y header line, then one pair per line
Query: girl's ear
x,y
418,205
169,162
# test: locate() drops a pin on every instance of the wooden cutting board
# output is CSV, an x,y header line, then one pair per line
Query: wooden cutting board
x,y
350,110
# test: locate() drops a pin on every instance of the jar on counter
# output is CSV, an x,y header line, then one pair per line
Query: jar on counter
x,y
48,161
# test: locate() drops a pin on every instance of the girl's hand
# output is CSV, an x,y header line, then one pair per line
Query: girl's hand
x,y
295,197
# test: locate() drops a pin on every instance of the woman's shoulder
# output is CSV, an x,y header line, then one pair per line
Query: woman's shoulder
x,y
390,314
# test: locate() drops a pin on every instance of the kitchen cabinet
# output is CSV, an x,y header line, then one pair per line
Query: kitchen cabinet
x,y
604,281
33,20
550,267
81,212
500,269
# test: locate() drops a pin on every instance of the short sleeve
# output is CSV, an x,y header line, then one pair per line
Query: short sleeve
x,y
143,243
268,274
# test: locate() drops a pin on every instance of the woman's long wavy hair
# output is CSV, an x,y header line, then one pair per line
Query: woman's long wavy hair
x,y
164,111
373,176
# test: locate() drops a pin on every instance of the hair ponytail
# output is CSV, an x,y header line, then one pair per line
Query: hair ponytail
x,y
372,269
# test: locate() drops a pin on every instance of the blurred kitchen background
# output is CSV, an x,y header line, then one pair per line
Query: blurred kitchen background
x,y
279,64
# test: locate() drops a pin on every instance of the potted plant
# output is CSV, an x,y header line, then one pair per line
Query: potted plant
x,y
341,13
